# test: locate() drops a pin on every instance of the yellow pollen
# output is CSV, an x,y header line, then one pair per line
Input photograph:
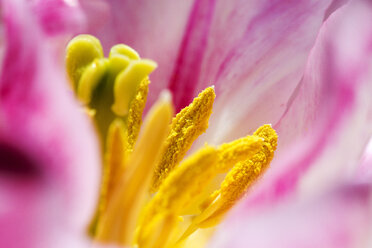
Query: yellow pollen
x,y
237,150
244,173
186,127
237,181
135,113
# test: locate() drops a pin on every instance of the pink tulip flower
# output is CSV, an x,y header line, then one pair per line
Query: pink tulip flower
x,y
303,66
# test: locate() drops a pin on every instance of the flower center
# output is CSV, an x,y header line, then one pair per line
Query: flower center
x,y
150,195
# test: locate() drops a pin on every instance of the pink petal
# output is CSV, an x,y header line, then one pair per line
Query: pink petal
x,y
96,14
364,170
255,56
248,49
50,161
61,19
322,136
337,219
58,16
329,116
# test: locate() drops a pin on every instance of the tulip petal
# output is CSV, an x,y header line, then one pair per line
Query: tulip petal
x,y
364,170
330,113
61,19
337,219
247,49
255,55
58,16
330,116
49,169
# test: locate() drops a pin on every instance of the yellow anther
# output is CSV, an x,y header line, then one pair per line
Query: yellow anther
x,y
135,113
180,188
228,155
269,135
237,181
238,150
127,82
186,127
80,52
124,50
118,223
90,78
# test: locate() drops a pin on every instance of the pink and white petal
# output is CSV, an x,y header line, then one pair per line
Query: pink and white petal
x,y
61,19
96,13
49,171
255,54
330,113
338,219
58,16
364,170
153,28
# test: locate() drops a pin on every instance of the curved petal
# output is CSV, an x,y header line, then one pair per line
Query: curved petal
x,y
49,165
330,113
255,56
247,49
364,170
338,219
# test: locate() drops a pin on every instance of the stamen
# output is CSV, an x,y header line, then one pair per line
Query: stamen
x,y
80,52
186,127
237,150
178,190
118,222
236,183
135,113
127,82
228,155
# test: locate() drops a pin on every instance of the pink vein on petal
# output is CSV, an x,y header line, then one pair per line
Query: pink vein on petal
x,y
324,107
191,52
